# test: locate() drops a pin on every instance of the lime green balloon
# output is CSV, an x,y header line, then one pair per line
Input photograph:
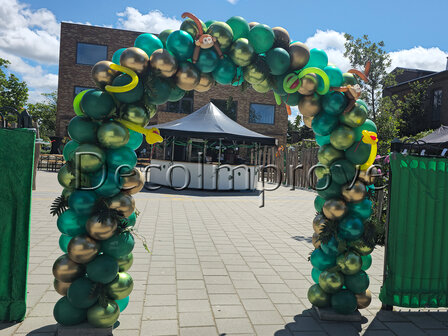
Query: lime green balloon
x,y
82,201
77,102
119,245
331,282
148,43
207,61
121,156
278,60
361,209
342,137
356,117
328,190
69,150
225,71
240,27
131,96
327,154
334,103
322,139
319,203
349,79
125,262
68,178
242,52
83,293
335,75
318,59
181,45
101,316
82,130
103,269
358,282
261,37
135,140
317,296
71,224
368,125
358,153
189,26
366,262
324,123
63,242
97,104
342,171
315,273
66,314
120,287
112,135
344,302
116,55
157,91
292,99
222,32
321,171
163,36
89,158
177,93
322,261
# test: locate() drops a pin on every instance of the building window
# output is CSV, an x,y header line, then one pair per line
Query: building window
x,y
90,54
229,107
261,114
79,89
436,104
185,105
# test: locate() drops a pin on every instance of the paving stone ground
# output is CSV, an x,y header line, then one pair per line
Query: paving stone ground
x,y
220,265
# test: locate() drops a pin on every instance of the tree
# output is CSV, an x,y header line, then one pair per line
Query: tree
x,y
13,92
44,113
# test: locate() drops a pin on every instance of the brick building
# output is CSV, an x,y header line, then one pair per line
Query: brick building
x,y
436,106
81,46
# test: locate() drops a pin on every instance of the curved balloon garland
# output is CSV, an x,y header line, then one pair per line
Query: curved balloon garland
x,y
97,223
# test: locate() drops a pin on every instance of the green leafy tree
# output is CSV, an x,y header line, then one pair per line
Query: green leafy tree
x,y
44,113
13,92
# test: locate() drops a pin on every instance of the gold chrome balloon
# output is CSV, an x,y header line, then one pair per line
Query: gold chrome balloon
x,y
163,63
368,178
205,83
61,287
66,270
67,178
327,154
315,240
187,76
102,74
309,85
309,106
122,203
360,247
356,193
82,249
255,73
135,114
319,223
321,171
112,134
120,287
364,299
135,59
318,297
349,263
282,38
222,32
262,87
331,282
300,55
307,121
334,209
241,52
126,262
133,182
101,230
103,317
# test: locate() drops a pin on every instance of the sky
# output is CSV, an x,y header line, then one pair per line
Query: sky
x,y
413,31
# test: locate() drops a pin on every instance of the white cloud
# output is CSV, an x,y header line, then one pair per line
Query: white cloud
x,y
233,2
152,22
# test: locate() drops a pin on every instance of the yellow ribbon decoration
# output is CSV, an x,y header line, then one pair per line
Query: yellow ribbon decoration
x,y
152,135
124,88
370,138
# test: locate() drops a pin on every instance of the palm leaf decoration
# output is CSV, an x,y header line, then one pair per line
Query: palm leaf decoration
x,y
59,205
104,213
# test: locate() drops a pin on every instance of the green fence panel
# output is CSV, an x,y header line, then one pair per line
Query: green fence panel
x,y
417,246
16,174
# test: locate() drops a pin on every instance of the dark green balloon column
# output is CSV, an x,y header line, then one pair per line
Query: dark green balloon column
x,y
96,211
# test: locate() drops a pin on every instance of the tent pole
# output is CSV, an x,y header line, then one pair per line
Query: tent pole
x,y
219,155
172,149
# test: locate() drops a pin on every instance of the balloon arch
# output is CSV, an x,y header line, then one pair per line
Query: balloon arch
x,y
97,223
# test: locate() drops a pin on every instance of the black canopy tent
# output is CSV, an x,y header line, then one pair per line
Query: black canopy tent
x,y
439,136
434,144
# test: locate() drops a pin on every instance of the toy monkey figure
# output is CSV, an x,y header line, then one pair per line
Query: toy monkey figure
x,y
203,41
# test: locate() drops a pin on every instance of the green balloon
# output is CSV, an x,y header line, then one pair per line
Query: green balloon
x,y
112,135
207,61
71,224
82,202
319,203
163,36
69,178
324,124
82,130
135,114
334,103
361,209
189,26
209,22
321,171
181,45
256,72
66,314
318,297
322,261
157,91
322,139
366,262
69,150
132,219
148,43
356,117
349,79
327,154
344,302
89,158
242,52
335,75
119,245
97,104
318,59
358,153
368,125
342,137
292,99
342,171
116,55
222,32
131,96
277,85
103,316
176,94
278,60
350,228
225,71
63,242
331,282
135,140
358,282
261,37
83,293
107,186
315,273
349,263
77,102
363,103
332,190
102,269
262,87
121,156
239,26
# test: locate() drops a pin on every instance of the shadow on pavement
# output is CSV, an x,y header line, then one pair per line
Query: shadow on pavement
x,y
303,238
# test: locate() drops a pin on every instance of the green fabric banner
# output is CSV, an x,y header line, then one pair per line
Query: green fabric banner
x,y
16,174
417,247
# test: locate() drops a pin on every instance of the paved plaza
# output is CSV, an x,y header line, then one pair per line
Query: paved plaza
x,y
219,265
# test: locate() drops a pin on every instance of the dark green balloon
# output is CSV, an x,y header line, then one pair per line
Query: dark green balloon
x,y
69,149
163,36
349,79
66,314
97,104
322,261
121,156
366,262
222,32
176,94
207,61
331,247
112,134
292,99
132,219
277,85
82,130
191,28
240,27
135,113
107,187
333,190
368,125
148,43
135,140
322,139
278,60
319,203
119,245
89,158
131,96
361,209
334,103
342,137
324,124
82,201
363,103
116,55
241,52
358,153
327,154
71,224
102,269
358,282
261,37
83,293
342,171
350,228
356,117
317,296
181,45
344,302
225,71
157,91
63,242
315,273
